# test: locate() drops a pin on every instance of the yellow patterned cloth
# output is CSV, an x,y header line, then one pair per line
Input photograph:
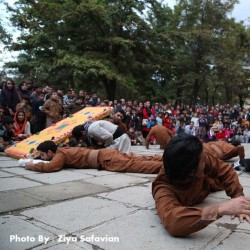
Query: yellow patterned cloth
x,y
58,132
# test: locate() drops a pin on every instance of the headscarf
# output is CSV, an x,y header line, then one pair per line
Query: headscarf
x,y
19,127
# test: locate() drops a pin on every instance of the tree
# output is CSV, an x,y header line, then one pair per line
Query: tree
x,y
100,42
195,31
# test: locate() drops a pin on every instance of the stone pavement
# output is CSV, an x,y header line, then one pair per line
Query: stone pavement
x,y
90,209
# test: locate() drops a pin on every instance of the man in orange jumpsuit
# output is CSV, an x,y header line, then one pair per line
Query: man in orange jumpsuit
x,y
162,135
103,159
189,175
224,150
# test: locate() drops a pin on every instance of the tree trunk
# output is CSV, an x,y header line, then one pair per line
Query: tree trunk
x,y
195,91
228,91
110,87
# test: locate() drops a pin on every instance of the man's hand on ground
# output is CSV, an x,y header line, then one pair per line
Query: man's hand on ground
x,y
29,165
242,217
239,206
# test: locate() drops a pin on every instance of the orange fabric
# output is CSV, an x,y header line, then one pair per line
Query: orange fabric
x,y
106,159
19,127
176,203
224,150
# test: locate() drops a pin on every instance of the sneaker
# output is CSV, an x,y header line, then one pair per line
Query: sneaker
x,y
236,165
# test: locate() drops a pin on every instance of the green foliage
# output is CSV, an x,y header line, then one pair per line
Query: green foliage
x,y
137,48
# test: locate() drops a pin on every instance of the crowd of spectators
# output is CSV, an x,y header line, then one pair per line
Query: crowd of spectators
x,y
26,109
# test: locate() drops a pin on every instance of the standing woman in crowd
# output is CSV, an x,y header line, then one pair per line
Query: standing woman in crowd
x,y
10,97
148,118
52,109
21,126
23,90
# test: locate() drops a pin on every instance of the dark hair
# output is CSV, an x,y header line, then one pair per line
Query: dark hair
x,y
181,157
77,131
7,120
235,143
46,146
120,110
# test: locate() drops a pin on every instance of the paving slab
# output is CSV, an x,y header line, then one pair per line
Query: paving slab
x,y
148,176
245,227
5,158
8,164
4,174
234,241
245,181
16,183
137,196
59,177
63,191
14,200
54,245
78,214
20,171
143,230
245,174
92,172
13,228
246,191
116,181
114,204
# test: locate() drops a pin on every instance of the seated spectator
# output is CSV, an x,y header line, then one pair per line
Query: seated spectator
x,y
135,120
6,133
159,117
246,134
93,100
228,133
210,135
78,105
220,135
189,129
21,126
133,137
238,134
167,120
68,99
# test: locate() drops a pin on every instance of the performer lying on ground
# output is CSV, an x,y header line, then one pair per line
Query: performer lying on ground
x,y
188,176
224,150
102,159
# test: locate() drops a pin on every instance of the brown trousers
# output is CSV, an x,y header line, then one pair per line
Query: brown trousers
x,y
115,161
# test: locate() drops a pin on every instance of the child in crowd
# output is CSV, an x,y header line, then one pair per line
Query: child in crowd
x,y
6,133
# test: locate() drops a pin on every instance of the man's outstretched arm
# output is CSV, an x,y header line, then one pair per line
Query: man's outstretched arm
x,y
54,165
180,221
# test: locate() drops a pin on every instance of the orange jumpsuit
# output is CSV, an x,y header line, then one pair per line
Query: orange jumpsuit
x,y
175,202
162,135
224,150
103,159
